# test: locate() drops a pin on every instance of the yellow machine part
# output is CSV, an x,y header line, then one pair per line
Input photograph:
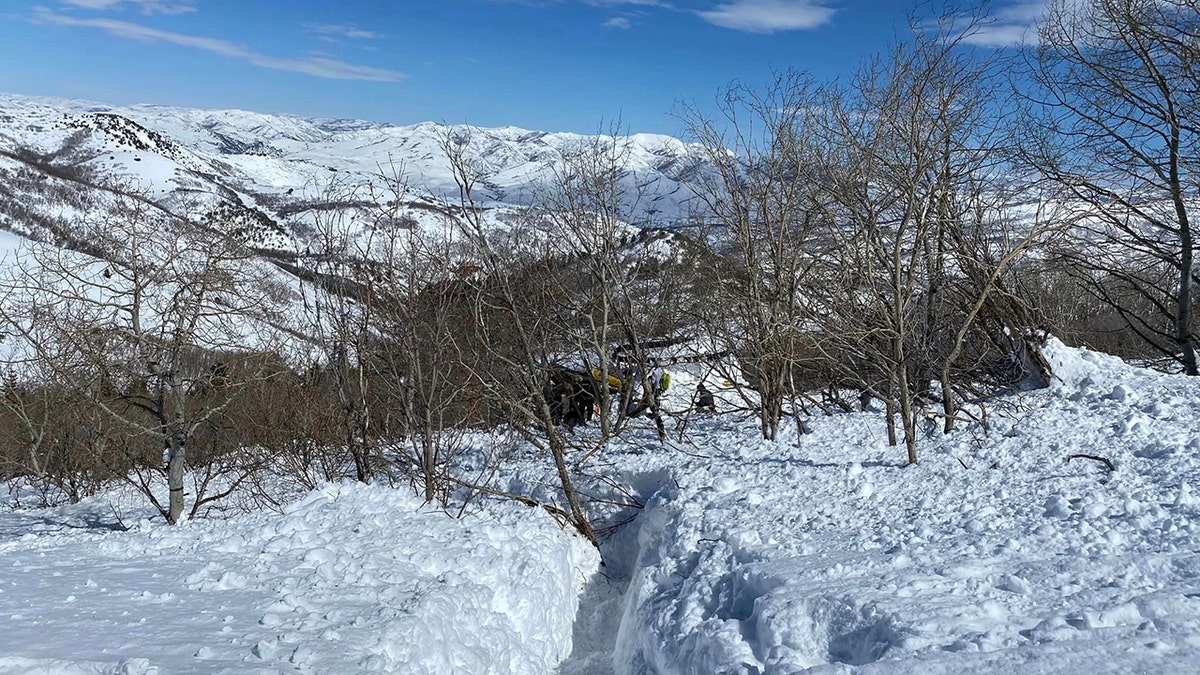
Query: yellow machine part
x,y
614,382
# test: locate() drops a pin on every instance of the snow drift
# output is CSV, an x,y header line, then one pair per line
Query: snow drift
x,y
350,578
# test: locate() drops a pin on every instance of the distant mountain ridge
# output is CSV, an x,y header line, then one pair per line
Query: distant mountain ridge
x,y
269,159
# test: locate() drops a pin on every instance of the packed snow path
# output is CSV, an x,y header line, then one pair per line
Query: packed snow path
x,y
602,605
596,626
350,579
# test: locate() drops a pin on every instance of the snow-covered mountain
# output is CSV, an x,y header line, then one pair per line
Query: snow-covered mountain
x,y
261,171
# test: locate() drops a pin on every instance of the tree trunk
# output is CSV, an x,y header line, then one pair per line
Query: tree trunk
x,y
362,466
1183,305
582,524
890,412
906,416
176,449
948,406
1183,309
428,465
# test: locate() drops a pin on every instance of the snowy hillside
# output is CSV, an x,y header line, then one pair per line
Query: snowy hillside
x,y
272,163
817,554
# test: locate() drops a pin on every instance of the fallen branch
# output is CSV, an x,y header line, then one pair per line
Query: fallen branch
x,y
588,455
550,508
1104,460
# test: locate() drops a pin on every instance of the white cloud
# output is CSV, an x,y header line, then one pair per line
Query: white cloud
x,y
752,16
638,3
1010,25
768,16
337,30
146,6
629,10
317,66
1002,35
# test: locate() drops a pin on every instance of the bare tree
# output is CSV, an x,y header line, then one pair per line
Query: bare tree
x,y
144,333
339,314
510,301
422,371
762,192
1115,123
617,288
912,182
989,318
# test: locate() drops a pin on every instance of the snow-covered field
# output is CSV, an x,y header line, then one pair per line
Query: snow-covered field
x,y
822,553
775,558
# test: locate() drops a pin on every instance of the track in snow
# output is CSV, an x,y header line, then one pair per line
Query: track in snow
x,y
602,604
597,625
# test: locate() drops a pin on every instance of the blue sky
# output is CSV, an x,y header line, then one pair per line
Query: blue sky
x,y
544,64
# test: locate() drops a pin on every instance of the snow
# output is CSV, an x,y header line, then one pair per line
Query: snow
x,y
821,553
828,553
1009,549
349,578
267,154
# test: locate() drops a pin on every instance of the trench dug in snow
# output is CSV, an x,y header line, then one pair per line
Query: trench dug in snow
x,y
597,623
622,622
602,603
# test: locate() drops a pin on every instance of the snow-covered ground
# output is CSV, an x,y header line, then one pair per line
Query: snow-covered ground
x,y
994,555
350,578
822,553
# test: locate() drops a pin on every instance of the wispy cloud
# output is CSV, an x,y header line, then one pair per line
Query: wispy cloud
x,y
635,3
751,16
630,11
341,30
768,16
1010,25
146,6
317,66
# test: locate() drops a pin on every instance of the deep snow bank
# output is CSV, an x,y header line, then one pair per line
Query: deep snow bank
x,y
993,555
351,578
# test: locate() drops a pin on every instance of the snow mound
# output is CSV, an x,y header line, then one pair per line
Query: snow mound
x,y
1078,368
351,578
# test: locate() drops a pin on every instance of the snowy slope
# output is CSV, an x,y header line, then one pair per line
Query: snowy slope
x,y
59,167
993,555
